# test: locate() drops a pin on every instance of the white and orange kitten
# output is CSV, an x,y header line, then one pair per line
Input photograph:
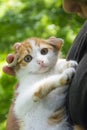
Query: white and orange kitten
x,y
43,81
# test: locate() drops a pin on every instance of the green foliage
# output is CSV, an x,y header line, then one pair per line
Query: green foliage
x,y
20,19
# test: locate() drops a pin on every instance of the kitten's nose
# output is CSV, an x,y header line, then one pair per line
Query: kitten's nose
x,y
40,62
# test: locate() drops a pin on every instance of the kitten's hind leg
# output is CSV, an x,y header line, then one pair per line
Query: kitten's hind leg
x,y
53,82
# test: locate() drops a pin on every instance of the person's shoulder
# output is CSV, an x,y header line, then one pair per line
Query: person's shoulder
x,y
84,27
82,31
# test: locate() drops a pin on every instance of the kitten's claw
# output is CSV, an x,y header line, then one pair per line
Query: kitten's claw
x,y
67,76
72,64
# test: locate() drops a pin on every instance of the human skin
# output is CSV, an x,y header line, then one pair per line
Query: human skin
x,y
71,6
12,123
6,69
76,6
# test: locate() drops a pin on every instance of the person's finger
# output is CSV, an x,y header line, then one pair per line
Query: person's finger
x,y
8,70
10,58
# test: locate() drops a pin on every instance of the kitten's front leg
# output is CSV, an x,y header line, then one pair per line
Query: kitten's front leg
x,y
63,64
53,82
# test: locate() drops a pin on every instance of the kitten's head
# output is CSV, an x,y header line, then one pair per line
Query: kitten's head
x,y
36,55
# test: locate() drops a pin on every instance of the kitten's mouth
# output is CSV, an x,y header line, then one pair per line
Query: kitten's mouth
x,y
43,67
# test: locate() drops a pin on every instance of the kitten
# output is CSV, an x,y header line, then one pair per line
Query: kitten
x,y
43,82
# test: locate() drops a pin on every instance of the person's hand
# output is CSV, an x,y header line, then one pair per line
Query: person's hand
x,y
6,69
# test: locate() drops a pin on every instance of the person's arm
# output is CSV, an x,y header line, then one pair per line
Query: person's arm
x,y
12,122
77,97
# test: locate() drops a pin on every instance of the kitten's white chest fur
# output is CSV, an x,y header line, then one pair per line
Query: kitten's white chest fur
x,y
34,115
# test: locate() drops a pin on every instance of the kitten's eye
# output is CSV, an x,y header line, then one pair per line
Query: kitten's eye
x,y
44,51
28,58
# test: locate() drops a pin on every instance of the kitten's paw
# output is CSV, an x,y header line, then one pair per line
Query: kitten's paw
x,y
72,64
67,64
67,76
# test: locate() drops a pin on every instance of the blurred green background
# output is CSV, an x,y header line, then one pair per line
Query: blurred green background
x,y
20,19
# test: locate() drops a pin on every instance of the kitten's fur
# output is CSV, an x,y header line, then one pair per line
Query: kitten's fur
x,y
43,81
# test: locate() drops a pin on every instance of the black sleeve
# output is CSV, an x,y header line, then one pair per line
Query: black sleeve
x,y
77,96
79,47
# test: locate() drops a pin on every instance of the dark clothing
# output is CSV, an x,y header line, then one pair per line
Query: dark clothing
x,y
77,97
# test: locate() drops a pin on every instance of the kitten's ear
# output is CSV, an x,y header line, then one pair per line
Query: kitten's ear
x,y
17,46
56,42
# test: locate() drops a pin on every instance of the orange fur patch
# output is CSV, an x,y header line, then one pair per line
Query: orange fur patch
x,y
57,117
39,42
38,94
